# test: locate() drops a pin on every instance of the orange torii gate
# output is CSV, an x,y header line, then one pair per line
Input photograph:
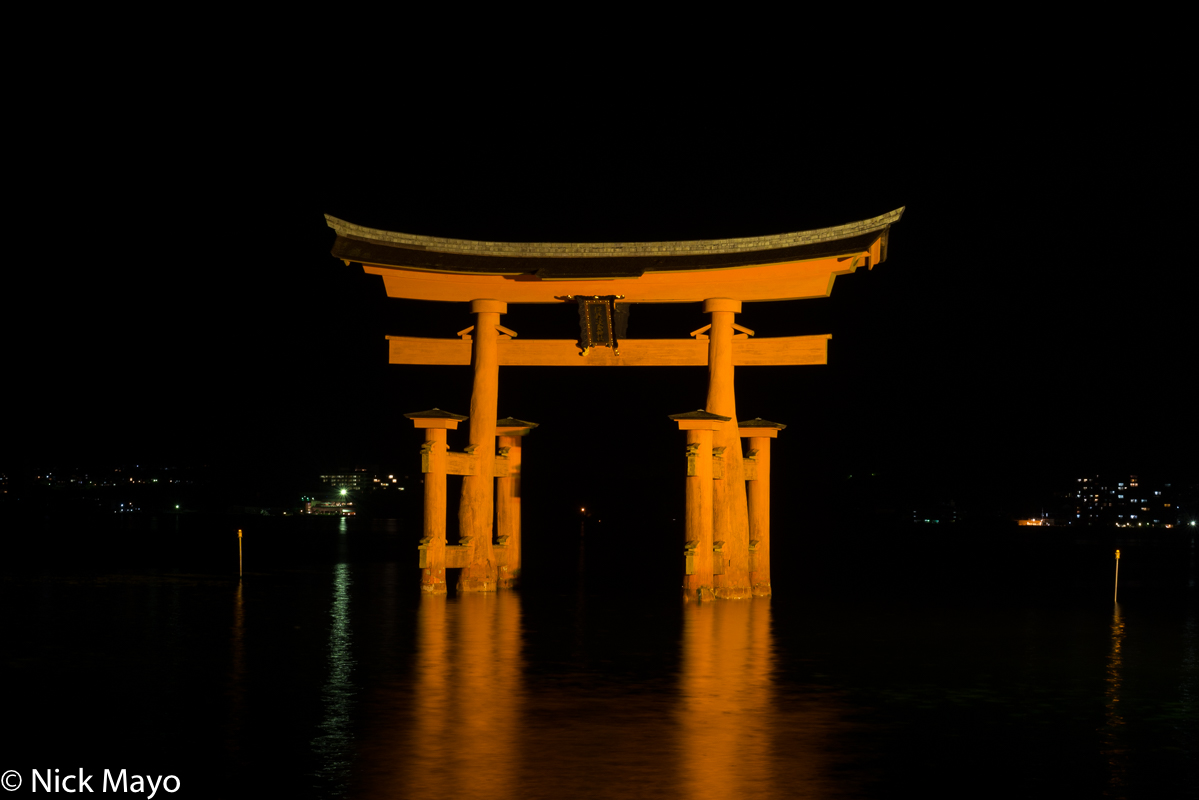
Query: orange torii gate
x,y
727,540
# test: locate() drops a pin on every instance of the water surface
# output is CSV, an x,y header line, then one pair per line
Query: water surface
x,y
874,672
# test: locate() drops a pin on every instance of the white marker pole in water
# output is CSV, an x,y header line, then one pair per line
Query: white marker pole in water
x,y
239,554
1116,591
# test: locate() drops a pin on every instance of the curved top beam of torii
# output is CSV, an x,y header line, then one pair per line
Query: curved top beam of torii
x,y
789,266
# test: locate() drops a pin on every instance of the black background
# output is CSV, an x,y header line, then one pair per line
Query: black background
x,y
173,299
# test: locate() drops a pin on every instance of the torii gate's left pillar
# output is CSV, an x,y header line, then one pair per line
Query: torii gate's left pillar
x,y
433,457
477,506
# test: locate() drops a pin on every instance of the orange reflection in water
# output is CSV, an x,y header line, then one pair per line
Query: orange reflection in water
x,y
464,698
739,737
237,671
1113,745
725,697
468,723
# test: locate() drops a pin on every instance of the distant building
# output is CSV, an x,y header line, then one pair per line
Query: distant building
x,y
935,512
384,481
343,492
350,480
1123,501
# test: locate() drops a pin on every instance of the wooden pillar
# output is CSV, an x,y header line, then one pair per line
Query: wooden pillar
x,y
699,516
729,504
432,579
698,583
507,512
510,433
759,432
758,492
434,466
476,507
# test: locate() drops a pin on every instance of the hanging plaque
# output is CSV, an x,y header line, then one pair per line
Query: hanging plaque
x,y
597,323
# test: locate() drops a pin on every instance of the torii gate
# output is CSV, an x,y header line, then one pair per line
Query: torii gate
x,y
721,559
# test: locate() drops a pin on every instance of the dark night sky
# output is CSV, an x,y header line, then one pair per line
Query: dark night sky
x,y
1033,321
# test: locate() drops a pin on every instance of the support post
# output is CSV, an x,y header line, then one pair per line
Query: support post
x,y
510,433
759,432
434,466
698,574
432,579
699,516
476,507
729,505
507,511
758,492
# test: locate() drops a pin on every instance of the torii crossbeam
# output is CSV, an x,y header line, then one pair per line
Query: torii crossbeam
x,y
720,273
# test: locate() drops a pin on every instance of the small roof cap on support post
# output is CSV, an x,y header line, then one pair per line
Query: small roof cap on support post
x,y
510,426
436,418
699,420
759,427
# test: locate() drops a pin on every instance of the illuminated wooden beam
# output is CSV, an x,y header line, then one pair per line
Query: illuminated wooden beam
x,y
796,280
787,266
458,556
465,464
747,352
781,351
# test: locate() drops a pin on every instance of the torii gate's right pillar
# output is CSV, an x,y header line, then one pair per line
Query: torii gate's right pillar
x,y
509,433
759,432
730,512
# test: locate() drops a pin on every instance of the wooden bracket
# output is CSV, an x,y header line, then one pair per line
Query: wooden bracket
x,y
468,464
743,329
459,464
750,466
457,556
464,333
697,333
501,467
508,331
717,463
717,468
425,543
